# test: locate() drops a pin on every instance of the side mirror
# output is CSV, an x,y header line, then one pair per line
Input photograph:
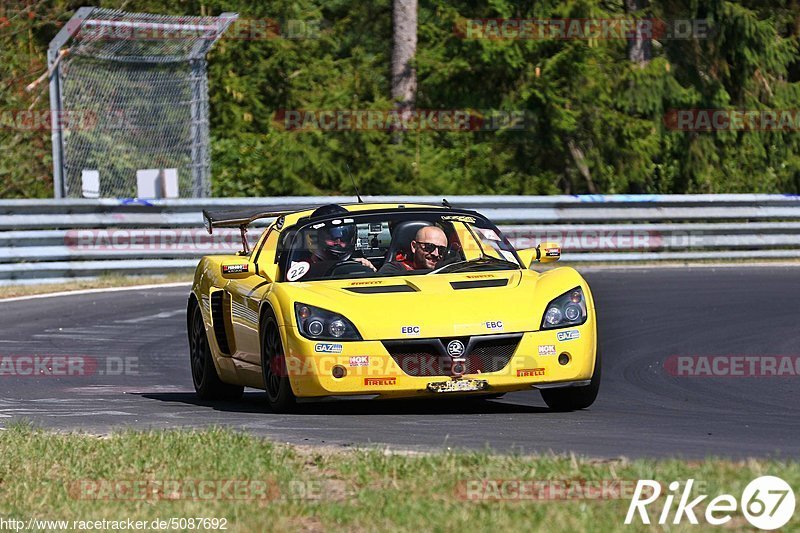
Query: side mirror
x,y
237,269
548,252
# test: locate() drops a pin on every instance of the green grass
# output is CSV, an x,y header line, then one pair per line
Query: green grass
x,y
357,489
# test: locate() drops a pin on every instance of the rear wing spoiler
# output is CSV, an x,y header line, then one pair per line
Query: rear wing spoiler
x,y
241,218
237,218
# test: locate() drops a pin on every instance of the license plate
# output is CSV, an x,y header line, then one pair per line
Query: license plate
x,y
459,385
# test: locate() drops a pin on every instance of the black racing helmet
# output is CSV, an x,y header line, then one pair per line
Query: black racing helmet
x,y
335,242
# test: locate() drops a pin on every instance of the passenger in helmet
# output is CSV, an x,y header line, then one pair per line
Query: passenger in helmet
x,y
336,243
332,243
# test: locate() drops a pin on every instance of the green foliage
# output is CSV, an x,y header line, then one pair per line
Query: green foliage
x,y
258,485
595,119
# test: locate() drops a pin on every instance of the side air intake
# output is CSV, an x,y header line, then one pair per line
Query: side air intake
x,y
220,306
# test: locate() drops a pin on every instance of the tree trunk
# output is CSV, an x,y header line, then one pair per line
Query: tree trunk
x,y
580,162
404,75
640,47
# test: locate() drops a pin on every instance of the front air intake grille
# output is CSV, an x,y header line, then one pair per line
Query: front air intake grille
x,y
417,358
492,355
428,357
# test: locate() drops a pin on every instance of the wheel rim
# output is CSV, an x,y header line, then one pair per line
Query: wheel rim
x,y
197,349
273,364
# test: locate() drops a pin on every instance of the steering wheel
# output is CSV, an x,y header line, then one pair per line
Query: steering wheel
x,y
347,267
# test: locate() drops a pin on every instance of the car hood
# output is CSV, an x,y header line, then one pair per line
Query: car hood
x,y
440,305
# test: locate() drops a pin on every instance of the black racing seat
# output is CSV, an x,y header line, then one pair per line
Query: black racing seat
x,y
402,235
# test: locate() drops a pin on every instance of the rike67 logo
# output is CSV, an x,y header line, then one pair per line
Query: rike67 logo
x,y
767,503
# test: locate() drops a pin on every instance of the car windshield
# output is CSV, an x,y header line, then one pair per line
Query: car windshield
x,y
391,243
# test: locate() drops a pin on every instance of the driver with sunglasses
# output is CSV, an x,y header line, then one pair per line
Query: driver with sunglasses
x,y
428,249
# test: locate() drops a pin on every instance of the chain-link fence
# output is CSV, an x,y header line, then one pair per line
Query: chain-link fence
x,y
134,89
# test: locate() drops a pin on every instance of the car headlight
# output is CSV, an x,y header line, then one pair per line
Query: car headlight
x,y
567,310
321,324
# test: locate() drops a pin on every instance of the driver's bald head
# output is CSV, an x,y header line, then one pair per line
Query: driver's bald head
x,y
433,239
432,234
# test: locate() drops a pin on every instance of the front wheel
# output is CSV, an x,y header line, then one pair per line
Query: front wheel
x,y
574,398
280,397
204,375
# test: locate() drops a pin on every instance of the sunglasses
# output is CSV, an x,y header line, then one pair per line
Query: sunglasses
x,y
429,248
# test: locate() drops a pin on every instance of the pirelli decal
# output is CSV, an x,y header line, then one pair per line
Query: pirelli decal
x,y
380,382
524,372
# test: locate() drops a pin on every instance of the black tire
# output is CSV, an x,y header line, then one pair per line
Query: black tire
x,y
204,375
574,398
280,396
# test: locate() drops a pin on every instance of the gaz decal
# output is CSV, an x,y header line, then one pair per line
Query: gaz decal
x,y
358,283
380,381
359,360
410,330
235,269
552,252
494,325
568,335
547,349
297,270
327,347
523,372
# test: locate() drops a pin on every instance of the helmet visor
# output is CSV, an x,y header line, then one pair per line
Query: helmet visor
x,y
344,234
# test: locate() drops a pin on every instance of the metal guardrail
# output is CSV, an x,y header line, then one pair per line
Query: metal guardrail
x,y
57,239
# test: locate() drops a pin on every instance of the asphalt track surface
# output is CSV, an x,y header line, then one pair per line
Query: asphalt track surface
x,y
645,316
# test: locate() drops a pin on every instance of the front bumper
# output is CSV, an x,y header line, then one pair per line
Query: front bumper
x,y
369,368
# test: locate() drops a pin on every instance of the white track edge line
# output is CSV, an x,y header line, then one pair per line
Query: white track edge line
x,y
98,290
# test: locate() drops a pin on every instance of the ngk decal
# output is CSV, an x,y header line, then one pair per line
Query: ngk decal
x,y
767,503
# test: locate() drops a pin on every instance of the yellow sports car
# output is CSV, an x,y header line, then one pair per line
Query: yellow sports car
x,y
388,301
